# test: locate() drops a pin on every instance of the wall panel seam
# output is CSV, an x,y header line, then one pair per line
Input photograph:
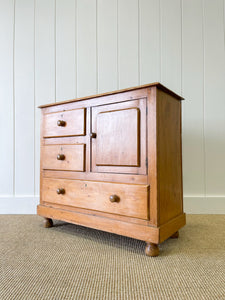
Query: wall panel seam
x,y
117,45
96,17
181,47
160,40
203,118
34,104
75,48
55,46
14,123
139,44
224,23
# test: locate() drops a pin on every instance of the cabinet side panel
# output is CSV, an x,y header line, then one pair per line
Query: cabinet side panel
x,y
169,157
152,155
41,153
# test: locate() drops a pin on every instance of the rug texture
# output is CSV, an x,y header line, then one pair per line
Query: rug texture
x,y
73,262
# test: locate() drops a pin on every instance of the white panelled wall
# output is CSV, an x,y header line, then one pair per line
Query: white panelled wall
x,y
52,50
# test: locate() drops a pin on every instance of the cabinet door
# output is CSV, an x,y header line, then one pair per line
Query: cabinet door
x,y
119,137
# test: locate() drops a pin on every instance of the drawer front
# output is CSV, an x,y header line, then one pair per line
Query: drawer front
x,y
123,199
64,157
65,123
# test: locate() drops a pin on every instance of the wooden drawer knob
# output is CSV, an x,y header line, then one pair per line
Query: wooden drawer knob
x,y
61,157
61,123
93,135
114,198
60,191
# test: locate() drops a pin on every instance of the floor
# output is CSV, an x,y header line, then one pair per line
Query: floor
x,y
74,262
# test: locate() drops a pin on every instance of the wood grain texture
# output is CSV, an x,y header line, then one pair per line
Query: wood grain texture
x,y
96,195
114,177
75,123
144,233
152,154
118,138
120,151
114,95
128,135
99,213
74,157
169,157
167,229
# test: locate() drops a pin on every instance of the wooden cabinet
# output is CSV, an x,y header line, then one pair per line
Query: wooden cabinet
x,y
113,162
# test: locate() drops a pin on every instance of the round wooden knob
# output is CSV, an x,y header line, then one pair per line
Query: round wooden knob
x,y
61,123
114,198
93,135
61,157
60,191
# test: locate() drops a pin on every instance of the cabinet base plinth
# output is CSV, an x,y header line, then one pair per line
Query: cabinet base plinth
x,y
153,236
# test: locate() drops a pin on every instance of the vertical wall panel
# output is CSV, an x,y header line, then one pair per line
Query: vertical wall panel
x,y
86,48
24,97
128,49
62,49
214,97
44,68
171,44
6,97
149,41
65,50
107,45
45,51
193,105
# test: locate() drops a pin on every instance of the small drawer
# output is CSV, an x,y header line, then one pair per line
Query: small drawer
x,y
64,123
63,157
123,199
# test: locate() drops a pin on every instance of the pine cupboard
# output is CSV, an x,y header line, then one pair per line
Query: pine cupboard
x,y
113,162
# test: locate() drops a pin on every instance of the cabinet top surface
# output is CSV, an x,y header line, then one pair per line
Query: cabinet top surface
x,y
156,84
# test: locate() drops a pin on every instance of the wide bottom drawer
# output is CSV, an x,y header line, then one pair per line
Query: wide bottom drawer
x,y
117,198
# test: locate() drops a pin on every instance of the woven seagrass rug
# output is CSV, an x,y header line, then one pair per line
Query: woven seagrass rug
x,y
74,262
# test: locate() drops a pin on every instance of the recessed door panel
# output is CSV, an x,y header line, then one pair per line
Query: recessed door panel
x,y
118,138
117,143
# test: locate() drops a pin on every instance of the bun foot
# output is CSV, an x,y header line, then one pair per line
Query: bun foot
x,y
175,235
152,249
48,223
